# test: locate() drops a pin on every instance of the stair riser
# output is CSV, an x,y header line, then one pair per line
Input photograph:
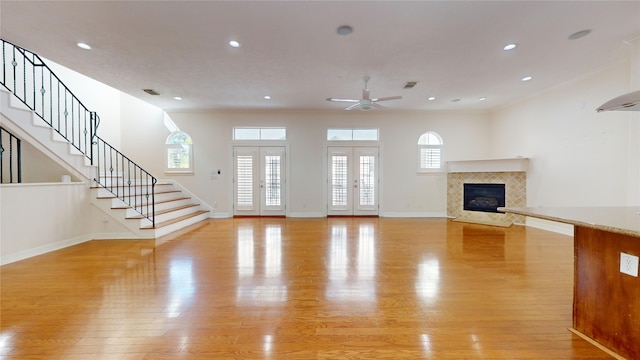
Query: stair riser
x,y
175,214
179,225
172,204
132,213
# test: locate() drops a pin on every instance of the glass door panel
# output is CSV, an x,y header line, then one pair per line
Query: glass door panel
x,y
353,181
258,181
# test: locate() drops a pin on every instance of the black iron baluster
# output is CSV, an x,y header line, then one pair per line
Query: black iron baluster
x,y
4,62
1,157
10,162
153,201
66,115
19,146
50,122
136,187
73,121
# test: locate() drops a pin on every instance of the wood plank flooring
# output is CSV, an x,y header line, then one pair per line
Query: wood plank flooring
x,y
276,288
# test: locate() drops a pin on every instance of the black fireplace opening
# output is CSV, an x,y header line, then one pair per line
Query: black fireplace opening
x,y
483,197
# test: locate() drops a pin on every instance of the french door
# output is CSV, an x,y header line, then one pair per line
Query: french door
x,y
352,180
259,178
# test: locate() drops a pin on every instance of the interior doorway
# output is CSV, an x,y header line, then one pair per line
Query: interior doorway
x,y
259,180
352,180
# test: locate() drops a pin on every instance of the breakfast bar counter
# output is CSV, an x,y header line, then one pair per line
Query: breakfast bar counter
x,y
606,301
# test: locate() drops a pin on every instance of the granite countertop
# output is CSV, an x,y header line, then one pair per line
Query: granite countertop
x,y
622,220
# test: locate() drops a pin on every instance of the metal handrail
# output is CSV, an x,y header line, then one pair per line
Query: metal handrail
x,y
28,78
124,178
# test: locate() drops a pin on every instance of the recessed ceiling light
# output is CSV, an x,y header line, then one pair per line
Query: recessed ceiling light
x,y
455,100
84,46
527,78
482,99
177,98
509,47
344,30
431,98
267,97
579,34
234,44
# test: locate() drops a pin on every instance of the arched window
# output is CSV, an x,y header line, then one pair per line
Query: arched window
x,y
430,152
179,153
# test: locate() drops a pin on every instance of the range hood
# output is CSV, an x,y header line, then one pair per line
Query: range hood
x,y
627,102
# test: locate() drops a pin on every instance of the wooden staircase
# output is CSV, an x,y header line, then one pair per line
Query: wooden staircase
x,y
174,210
175,207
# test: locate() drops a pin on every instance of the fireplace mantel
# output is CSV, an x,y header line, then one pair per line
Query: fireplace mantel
x,y
490,165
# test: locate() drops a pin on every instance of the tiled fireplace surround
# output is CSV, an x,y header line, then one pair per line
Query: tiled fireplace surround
x,y
511,172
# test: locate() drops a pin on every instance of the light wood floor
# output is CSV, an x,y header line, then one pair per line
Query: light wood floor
x,y
270,288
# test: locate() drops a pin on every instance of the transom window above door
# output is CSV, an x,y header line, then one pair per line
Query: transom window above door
x,y
347,134
260,133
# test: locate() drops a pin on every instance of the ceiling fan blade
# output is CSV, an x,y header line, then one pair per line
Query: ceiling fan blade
x,y
354,106
377,106
343,100
387,98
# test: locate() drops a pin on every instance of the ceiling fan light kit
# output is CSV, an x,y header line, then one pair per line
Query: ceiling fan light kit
x,y
366,102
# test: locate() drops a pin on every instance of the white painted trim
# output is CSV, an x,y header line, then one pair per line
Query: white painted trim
x,y
40,250
117,236
219,215
553,226
307,215
43,184
490,165
414,215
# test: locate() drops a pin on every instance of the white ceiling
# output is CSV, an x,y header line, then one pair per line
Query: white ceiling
x,y
291,51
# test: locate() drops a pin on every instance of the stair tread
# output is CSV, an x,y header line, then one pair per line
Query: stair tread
x,y
95,185
173,221
112,196
160,212
157,202
174,199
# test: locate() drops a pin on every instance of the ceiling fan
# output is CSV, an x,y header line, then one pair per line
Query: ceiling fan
x,y
366,103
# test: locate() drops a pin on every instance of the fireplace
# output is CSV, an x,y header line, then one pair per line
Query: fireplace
x,y
510,172
483,197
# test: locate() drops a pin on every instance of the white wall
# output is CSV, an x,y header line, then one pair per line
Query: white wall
x,y
96,96
38,167
404,192
38,218
578,157
143,134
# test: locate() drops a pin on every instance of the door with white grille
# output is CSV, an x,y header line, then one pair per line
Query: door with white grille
x,y
259,180
352,180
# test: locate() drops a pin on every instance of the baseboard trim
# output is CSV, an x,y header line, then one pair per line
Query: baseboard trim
x,y
482,222
306,215
43,249
116,236
216,215
596,344
414,215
